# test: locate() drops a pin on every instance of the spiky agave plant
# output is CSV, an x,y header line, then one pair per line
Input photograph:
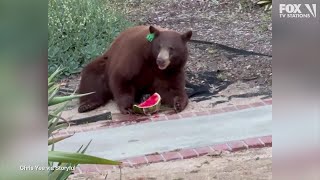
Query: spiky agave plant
x,y
58,158
267,4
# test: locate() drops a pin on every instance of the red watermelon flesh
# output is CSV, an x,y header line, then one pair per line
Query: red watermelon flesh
x,y
152,100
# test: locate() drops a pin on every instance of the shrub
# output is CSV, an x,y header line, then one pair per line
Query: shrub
x,y
80,30
267,4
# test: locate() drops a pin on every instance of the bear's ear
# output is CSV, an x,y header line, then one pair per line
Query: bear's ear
x,y
186,36
154,30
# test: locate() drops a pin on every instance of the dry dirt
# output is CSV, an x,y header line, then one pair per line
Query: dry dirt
x,y
254,164
228,77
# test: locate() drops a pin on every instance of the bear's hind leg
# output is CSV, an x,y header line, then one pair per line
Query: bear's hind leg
x,y
94,101
93,80
89,106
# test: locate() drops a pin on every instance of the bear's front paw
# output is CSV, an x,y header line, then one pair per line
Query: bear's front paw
x,y
177,104
144,97
126,110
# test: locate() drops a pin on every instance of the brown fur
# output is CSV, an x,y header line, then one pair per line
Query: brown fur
x,y
129,69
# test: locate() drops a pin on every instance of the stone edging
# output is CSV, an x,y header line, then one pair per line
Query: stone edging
x,y
233,146
124,120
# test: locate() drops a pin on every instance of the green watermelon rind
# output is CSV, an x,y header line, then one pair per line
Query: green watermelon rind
x,y
148,110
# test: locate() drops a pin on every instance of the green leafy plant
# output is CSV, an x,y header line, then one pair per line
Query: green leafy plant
x,y
267,4
80,30
64,160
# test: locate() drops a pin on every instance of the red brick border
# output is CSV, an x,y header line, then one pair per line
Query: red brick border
x,y
124,120
233,146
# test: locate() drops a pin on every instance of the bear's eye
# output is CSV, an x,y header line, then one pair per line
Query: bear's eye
x,y
171,48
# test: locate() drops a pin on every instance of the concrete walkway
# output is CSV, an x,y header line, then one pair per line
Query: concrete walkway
x,y
140,139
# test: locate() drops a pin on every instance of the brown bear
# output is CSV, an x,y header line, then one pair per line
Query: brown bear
x,y
135,65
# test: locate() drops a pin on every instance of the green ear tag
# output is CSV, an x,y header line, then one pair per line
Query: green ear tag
x,y
150,37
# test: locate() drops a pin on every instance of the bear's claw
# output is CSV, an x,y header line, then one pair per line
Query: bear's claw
x,y
177,104
144,97
126,110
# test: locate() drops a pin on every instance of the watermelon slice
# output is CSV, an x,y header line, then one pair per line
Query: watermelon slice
x,y
150,106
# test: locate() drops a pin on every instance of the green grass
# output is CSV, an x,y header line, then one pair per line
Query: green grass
x,y
80,30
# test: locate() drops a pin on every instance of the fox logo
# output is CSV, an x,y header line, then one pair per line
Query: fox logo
x,y
313,10
294,11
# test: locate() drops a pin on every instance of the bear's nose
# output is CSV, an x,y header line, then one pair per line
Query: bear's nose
x,y
161,62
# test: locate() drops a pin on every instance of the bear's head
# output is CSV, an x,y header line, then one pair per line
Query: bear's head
x,y
169,48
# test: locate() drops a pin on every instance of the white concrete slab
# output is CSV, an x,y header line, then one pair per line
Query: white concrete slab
x,y
140,139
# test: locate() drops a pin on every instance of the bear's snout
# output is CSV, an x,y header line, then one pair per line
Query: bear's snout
x,y
163,63
163,60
